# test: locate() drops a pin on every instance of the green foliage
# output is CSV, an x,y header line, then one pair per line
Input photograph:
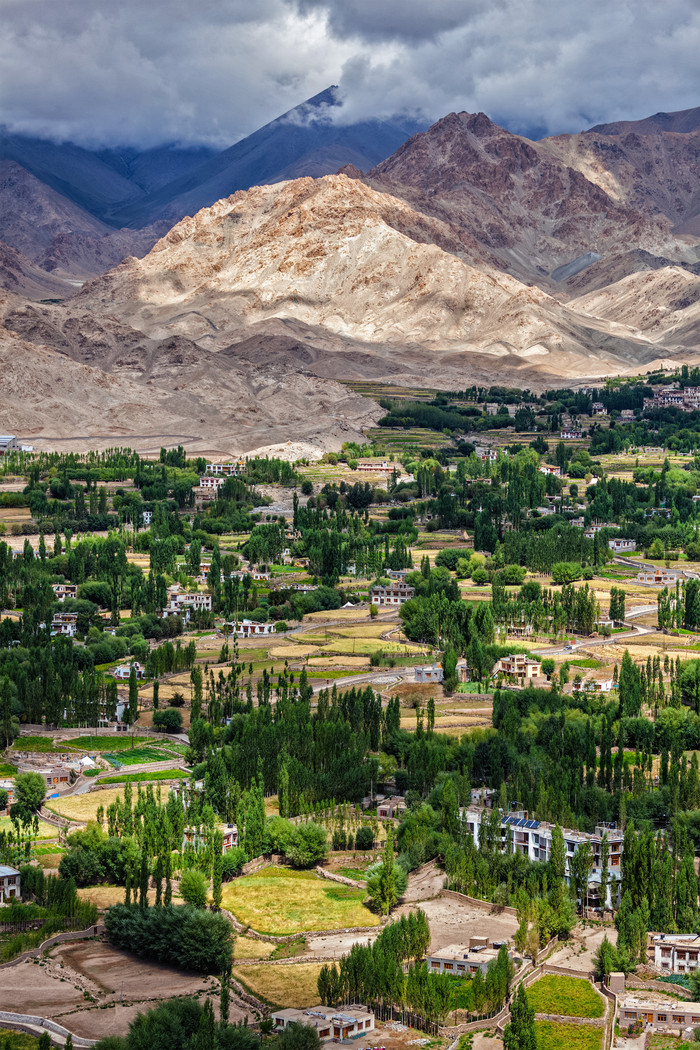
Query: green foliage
x,y
194,888
178,935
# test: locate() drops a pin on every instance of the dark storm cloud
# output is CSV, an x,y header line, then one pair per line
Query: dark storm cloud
x,y
148,71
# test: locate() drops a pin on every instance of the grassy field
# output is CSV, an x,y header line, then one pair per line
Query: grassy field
x,y
46,831
7,769
43,744
84,807
251,948
17,1040
140,778
565,995
293,985
554,1036
280,901
136,757
109,743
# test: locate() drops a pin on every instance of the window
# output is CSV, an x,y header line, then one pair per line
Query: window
x,y
661,1017
678,1018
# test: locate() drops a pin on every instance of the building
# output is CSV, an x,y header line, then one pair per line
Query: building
x,y
376,467
65,624
8,444
211,482
123,672
517,665
626,415
572,432
676,952
179,601
396,593
398,574
533,838
595,683
55,777
9,787
578,523
345,1022
599,409
193,837
229,470
391,808
658,577
622,546
545,512
10,883
146,517
462,960
262,574
486,455
491,408
249,628
65,590
547,468
520,630
430,673
658,1013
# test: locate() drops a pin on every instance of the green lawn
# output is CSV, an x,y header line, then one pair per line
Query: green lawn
x,y
7,770
17,1040
109,743
136,757
571,996
554,1036
280,901
37,743
46,831
139,778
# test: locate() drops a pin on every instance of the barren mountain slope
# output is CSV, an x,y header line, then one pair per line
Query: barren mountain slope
x,y
56,234
68,375
661,304
528,210
348,263
19,274
654,172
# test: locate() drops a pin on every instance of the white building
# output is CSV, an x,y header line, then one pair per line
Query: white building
x,y
8,443
659,1014
463,960
65,624
533,838
622,546
345,1022
396,593
211,482
123,672
65,590
249,628
676,952
179,601
10,883
430,673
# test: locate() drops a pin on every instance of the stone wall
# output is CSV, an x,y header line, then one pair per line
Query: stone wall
x,y
59,938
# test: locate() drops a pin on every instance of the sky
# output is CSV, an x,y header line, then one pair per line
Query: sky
x,y
146,72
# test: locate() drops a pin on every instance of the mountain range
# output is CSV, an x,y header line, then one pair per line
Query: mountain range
x,y
313,251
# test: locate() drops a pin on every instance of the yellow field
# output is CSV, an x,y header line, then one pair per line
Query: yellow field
x,y
84,807
292,985
46,831
251,948
280,901
292,652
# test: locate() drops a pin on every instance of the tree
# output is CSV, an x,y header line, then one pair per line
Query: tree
x,y
298,1037
167,721
308,846
30,790
194,887
385,885
520,1033
133,695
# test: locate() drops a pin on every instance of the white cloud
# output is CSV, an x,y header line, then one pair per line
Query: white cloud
x,y
169,70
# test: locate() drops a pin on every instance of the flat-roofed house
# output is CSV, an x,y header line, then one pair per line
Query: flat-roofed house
x,y
343,1022
462,960
65,624
8,443
659,1014
621,546
10,883
517,665
396,593
676,952
65,590
431,673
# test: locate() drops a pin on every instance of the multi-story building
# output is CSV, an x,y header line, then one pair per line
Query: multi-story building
x,y
676,952
389,808
533,838
396,593
547,468
179,601
626,415
249,628
65,590
65,624
209,481
517,665
599,409
10,883
229,470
